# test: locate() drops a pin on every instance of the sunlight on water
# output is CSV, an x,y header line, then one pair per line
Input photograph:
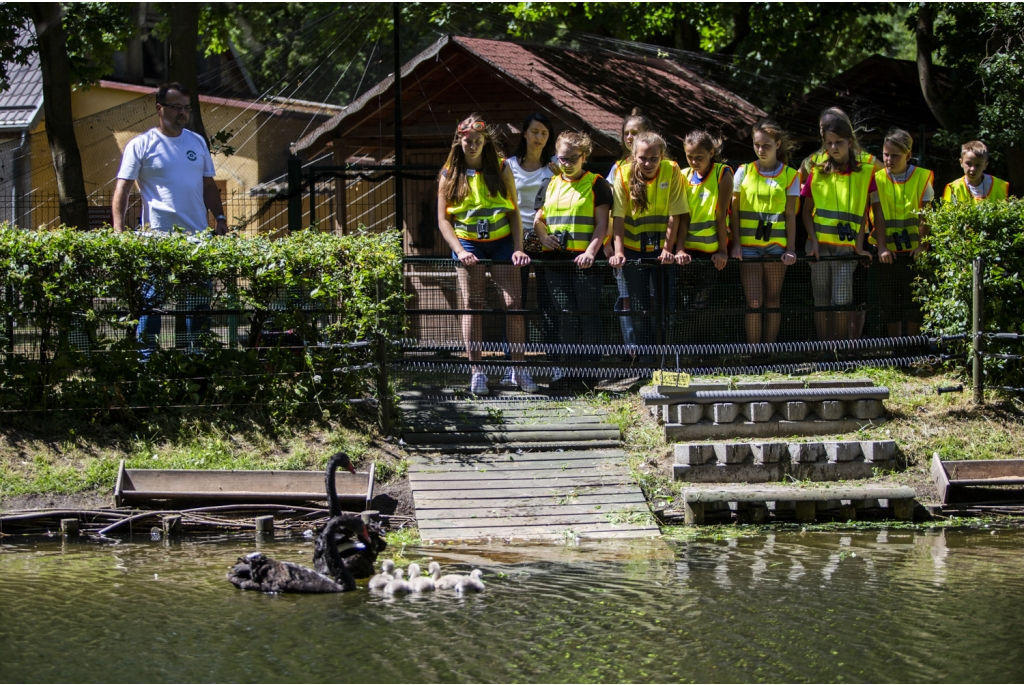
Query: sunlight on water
x,y
892,605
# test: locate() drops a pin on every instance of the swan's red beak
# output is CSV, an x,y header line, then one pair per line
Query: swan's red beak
x,y
351,469
364,535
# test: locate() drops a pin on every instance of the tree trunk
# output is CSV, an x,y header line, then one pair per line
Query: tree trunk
x,y
740,26
60,124
1014,156
183,42
925,23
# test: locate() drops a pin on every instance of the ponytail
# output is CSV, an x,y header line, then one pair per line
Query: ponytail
x,y
702,139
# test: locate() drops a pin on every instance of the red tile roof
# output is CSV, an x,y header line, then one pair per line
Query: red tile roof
x,y
595,88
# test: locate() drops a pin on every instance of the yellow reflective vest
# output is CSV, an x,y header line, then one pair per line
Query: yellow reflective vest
x,y
481,217
763,206
702,197
901,206
645,232
840,201
569,210
863,157
957,191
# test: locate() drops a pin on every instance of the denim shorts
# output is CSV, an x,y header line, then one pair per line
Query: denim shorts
x,y
755,251
499,250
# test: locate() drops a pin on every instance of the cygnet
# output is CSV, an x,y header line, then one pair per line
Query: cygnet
x,y
397,586
473,583
385,576
420,583
448,582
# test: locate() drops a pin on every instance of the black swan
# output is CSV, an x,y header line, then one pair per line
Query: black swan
x,y
358,555
257,571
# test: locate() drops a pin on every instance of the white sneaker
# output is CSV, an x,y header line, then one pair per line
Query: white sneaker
x,y
509,379
557,374
478,385
524,381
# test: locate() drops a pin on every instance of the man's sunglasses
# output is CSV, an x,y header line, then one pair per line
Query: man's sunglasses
x,y
177,108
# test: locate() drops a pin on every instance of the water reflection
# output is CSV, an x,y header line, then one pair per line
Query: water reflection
x,y
779,607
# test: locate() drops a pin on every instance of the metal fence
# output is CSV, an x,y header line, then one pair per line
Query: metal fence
x,y
558,320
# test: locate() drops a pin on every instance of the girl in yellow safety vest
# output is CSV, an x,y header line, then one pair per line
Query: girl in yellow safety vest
x,y
819,157
837,195
479,219
702,246
904,191
632,126
573,222
764,204
649,190
975,184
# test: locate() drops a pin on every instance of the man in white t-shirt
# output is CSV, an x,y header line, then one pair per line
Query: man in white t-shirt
x,y
174,171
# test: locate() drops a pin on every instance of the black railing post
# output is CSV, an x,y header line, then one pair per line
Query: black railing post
x,y
399,194
294,194
312,196
977,320
383,389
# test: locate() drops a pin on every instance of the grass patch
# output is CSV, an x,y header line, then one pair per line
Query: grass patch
x,y
68,459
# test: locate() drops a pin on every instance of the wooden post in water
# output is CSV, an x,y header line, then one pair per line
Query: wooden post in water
x,y
977,318
69,528
264,526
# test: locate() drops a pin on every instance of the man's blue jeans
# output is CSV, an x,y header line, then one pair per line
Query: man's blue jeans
x,y
147,333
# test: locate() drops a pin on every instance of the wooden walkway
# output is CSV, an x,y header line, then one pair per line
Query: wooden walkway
x,y
520,470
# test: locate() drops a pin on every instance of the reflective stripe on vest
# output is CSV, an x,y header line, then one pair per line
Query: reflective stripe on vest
x,y
763,206
957,191
901,207
481,217
840,201
702,197
569,210
646,232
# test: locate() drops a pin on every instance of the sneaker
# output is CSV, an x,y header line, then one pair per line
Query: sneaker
x,y
524,381
557,374
509,379
478,385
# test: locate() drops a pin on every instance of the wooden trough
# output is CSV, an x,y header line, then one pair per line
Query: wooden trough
x,y
146,486
978,481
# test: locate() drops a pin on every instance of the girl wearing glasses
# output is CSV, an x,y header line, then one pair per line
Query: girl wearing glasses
x,y
479,218
649,191
764,217
573,223
837,197
904,191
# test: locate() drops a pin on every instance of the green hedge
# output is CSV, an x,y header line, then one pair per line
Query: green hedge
x,y
959,234
72,300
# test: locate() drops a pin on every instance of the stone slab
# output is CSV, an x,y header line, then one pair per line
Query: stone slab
x,y
768,473
732,452
769,452
758,412
683,413
694,455
866,409
739,430
842,451
806,452
878,450
830,410
794,411
723,412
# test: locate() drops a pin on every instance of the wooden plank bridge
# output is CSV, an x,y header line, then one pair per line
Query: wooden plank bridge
x,y
506,469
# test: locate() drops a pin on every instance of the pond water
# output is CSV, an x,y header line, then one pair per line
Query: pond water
x,y
878,606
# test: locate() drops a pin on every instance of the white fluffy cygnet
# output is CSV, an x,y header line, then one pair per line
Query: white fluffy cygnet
x,y
472,583
420,583
397,586
386,575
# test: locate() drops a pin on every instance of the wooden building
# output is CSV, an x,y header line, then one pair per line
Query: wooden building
x,y
588,90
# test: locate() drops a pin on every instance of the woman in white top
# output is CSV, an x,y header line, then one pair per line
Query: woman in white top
x,y
532,170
